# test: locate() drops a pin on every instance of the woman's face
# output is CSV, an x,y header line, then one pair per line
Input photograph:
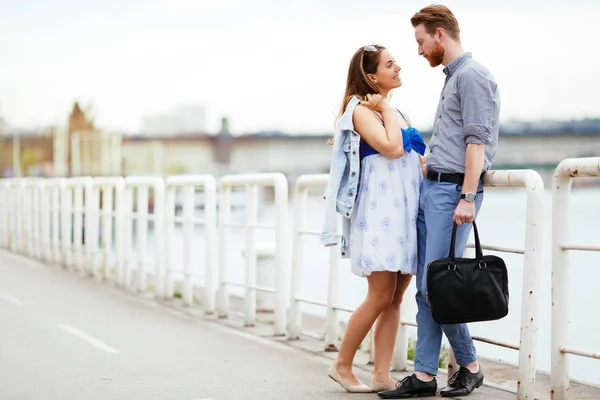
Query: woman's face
x,y
387,76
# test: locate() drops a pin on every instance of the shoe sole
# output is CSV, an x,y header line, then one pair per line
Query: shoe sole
x,y
463,395
333,379
408,397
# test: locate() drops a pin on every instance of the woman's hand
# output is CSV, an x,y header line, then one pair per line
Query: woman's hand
x,y
375,102
423,162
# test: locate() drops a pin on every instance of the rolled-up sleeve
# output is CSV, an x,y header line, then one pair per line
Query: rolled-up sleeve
x,y
477,96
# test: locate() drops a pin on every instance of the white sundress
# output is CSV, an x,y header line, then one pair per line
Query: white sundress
x,y
383,235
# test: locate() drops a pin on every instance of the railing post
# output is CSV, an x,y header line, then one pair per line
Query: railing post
x,y
128,235
4,212
34,250
55,190
188,235
281,256
66,224
159,232
210,212
300,198
142,236
399,362
532,269
44,222
250,219
561,279
120,229
333,321
107,226
224,232
169,239
78,226
561,275
22,217
17,219
92,213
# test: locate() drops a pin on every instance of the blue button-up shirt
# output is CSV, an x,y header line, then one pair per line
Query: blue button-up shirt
x,y
468,112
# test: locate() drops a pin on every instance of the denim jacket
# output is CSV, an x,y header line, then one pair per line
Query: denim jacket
x,y
340,193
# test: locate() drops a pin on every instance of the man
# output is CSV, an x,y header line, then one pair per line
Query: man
x,y
463,144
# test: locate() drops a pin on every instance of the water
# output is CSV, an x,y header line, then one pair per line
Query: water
x,y
501,222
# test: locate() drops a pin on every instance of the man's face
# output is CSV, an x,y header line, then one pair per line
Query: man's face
x,y
429,46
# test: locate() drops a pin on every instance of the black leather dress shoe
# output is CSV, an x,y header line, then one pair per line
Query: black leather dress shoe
x,y
409,387
462,383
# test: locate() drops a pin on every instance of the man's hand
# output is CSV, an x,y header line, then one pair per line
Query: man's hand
x,y
464,213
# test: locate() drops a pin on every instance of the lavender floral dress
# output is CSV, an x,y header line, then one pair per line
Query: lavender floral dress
x,y
384,221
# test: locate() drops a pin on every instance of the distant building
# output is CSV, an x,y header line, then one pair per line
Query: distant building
x,y
185,119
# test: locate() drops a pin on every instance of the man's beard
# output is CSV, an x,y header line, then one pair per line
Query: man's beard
x,y
436,56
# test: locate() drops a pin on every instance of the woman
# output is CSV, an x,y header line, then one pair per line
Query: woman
x,y
377,190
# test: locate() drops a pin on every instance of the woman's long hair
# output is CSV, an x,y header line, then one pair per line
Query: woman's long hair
x,y
364,61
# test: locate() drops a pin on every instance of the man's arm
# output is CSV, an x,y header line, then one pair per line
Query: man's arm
x,y
473,166
477,94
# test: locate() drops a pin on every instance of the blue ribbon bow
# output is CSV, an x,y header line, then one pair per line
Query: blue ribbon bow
x,y
412,139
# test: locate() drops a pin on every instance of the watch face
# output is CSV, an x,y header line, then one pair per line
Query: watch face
x,y
470,197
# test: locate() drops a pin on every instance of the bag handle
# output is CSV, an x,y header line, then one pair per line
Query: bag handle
x,y
478,251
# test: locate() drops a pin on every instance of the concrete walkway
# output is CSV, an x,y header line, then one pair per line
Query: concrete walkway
x,y
67,337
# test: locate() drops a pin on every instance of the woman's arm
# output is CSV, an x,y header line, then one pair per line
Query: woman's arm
x,y
423,160
386,140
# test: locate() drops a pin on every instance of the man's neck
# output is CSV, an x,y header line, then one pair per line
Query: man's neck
x,y
453,51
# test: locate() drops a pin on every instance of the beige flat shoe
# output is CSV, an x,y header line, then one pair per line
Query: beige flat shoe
x,y
362,388
376,386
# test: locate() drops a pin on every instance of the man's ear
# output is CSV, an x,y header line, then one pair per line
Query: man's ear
x,y
440,34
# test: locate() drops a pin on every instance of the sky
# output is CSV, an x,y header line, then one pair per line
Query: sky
x,y
278,64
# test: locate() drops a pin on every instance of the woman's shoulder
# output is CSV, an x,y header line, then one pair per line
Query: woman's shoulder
x,y
405,117
345,120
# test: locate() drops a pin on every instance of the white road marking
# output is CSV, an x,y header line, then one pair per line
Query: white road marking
x,y
11,299
89,338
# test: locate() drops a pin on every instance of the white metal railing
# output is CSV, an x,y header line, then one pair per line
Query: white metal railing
x,y
30,209
188,184
5,209
532,182
58,220
72,213
142,186
302,187
532,266
105,208
51,192
251,182
86,224
564,174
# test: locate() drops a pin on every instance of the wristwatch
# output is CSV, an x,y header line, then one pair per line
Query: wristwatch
x,y
469,197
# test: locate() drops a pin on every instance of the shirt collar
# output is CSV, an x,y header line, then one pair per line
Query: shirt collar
x,y
453,66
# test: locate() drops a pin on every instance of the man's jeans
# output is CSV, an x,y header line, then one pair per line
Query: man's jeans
x,y
437,203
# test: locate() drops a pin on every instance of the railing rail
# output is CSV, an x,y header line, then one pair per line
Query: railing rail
x,y
532,182
564,174
70,222
188,184
251,182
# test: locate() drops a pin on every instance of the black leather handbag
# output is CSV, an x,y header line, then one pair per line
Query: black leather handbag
x,y
464,290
